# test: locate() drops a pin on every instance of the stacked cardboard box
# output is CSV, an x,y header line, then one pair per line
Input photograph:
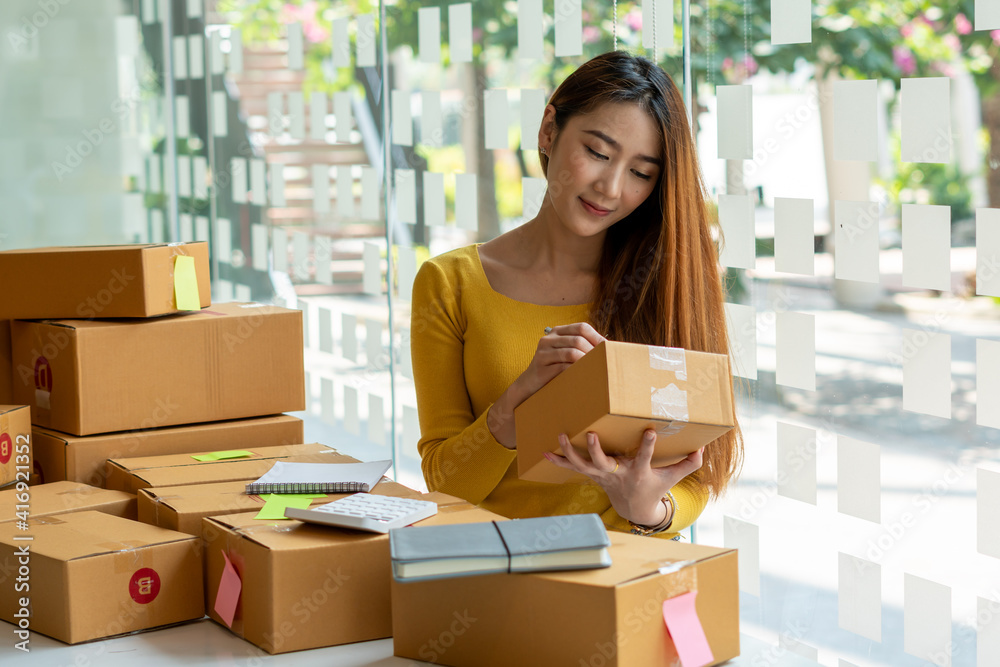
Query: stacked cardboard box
x,y
140,280
99,386
94,575
232,361
97,281
15,440
183,507
106,387
6,389
62,497
82,459
132,474
288,586
613,617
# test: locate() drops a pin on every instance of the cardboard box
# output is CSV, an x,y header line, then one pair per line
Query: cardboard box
x,y
99,281
61,497
6,368
61,456
132,474
618,390
611,617
15,443
94,575
183,507
97,376
307,586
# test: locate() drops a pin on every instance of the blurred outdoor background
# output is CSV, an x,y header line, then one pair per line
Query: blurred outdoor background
x,y
325,149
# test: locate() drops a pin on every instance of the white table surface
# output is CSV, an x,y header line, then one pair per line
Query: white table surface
x,y
206,643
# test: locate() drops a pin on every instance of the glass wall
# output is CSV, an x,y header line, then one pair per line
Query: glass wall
x,y
325,149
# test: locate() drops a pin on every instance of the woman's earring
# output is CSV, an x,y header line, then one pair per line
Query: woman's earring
x,y
543,151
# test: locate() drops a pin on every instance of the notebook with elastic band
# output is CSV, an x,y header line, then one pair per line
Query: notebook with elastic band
x,y
570,542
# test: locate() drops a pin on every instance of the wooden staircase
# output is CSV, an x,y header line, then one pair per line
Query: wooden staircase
x,y
265,70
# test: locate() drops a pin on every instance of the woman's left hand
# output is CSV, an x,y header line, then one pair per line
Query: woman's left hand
x,y
634,487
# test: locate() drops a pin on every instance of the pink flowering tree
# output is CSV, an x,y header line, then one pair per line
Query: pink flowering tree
x,y
888,40
979,53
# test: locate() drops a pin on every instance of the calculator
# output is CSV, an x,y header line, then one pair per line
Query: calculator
x,y
366,511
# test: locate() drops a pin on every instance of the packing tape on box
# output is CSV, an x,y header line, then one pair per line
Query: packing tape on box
x,y
81,491
128,556
669,402
451,509
48,520
248,531
671,428
157,501
42,399
684,579
668,359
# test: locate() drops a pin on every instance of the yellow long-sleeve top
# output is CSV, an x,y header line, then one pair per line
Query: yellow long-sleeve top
x,y
468,344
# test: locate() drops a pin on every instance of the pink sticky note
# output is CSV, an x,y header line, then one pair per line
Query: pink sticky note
x,y
228,595
685,630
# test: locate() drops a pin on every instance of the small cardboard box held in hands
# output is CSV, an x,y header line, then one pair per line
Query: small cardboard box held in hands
x,y
618,390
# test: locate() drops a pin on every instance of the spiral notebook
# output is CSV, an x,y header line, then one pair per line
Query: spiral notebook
x,y
292,477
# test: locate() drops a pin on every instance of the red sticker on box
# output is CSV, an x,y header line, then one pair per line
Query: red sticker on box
x,y
144,585
6,448
43,374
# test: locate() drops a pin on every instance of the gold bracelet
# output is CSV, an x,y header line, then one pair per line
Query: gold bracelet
x,y
671,506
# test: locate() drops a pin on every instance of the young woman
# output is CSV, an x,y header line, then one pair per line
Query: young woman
x,y
621,249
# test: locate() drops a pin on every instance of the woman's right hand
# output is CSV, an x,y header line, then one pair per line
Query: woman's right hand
x,y
556,350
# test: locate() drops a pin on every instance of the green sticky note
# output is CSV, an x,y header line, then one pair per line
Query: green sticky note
x,y
219,456
275,504
186,284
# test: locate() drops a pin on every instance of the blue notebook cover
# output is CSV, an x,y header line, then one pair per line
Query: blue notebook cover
x,y
569,542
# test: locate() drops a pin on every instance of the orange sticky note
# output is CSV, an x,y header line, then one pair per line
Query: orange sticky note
x,y
684,627
228,595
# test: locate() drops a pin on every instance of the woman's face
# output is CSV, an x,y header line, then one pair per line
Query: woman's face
x,y
602,165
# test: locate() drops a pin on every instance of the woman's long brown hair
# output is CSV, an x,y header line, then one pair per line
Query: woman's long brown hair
x,y
659,280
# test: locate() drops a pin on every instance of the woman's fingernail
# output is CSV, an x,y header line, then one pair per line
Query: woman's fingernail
x,y
591,437
548,457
